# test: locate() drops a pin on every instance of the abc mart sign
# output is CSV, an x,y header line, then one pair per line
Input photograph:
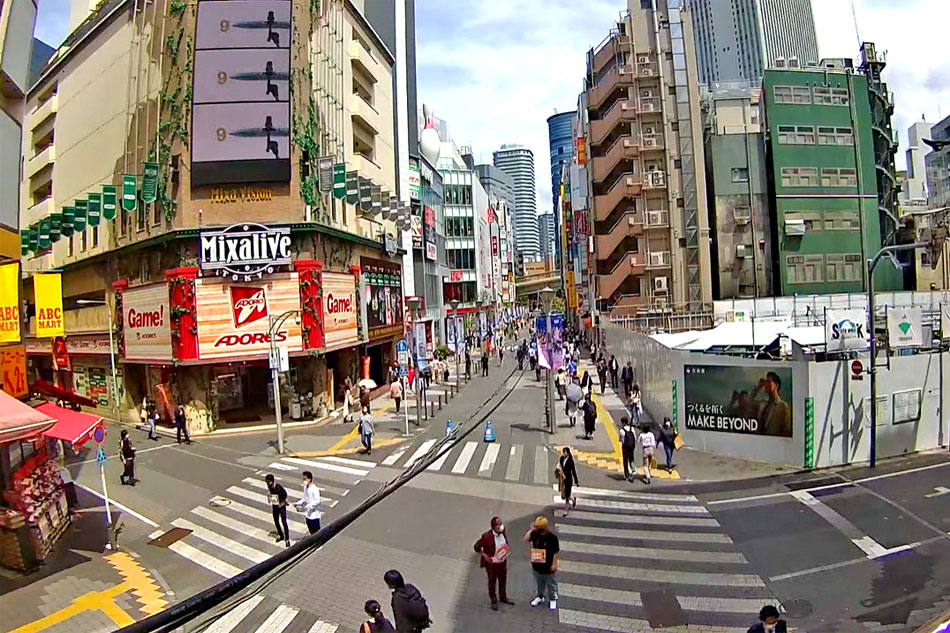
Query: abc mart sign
x,y
246,251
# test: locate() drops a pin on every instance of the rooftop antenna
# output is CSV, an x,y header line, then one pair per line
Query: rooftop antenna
x,y
854,14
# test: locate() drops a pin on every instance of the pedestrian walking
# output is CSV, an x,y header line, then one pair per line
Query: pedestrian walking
x,y
636,404
590,418
519,355
411,375
395,392
602,374
614,368
364,399
146,417
181,426
560,383
410,610
493,550
310,503
769,621
468,365
367,430
377,622
586,382
628,446
277,496
626,377
568,479
484,363
648,445
544,551
427,375
127,455
668,438
347,398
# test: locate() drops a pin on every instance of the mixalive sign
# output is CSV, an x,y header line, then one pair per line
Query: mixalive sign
x,y
845,330
246,251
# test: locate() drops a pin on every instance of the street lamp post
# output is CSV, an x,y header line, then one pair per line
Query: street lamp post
x,y
455,328
414,303
115,382
275,323
547,298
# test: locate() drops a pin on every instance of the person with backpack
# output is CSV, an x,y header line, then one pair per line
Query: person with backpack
x,y
648,444
628,446
127,455
668,438
378,622
410,610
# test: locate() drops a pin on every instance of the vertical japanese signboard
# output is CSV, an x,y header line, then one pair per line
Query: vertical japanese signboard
x,y
10,303
48,290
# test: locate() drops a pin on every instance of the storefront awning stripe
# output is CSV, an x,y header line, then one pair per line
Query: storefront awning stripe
x,y
73,427
19,421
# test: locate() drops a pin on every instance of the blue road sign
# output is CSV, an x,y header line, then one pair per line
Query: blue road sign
x,y
403,371
101,457
99,434
402,346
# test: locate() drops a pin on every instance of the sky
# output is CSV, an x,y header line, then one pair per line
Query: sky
x,y
497,69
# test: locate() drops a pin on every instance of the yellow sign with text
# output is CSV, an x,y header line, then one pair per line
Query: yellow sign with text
x,y
50,321
571,291
10,303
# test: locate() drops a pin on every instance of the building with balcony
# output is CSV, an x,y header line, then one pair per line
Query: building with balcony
x,y
182,175
518,162
738,193
821,156
738,40
643,153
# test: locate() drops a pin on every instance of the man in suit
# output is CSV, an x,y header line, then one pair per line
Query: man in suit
x,y
493,548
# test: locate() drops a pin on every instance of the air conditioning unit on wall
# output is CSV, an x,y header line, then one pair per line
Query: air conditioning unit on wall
x,y
661,284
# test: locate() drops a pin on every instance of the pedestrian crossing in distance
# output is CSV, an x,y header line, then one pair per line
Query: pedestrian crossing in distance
x,y
636,561
486,460
260,614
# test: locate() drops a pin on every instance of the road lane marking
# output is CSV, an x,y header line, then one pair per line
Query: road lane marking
x,y
637,496
332,467
642,507
266,518
540,465
229,621
437,464
513,472
394,457
238,526
632,598
279,619
264,501
488,461
938,491
603,622
346,461
464,458
209,562
230,545
294,492
709,579
645,535
422,450
638,519
654,553
113,502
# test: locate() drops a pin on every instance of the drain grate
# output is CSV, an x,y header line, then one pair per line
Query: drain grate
x,y
171,536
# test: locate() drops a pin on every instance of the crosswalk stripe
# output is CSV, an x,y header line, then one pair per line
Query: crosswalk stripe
x,y
643,519
540,465
488,461
237,526
260,515
646,535
654,553
209,562
513,472
422,450
617,623
464,458
320,483
437,464
393,458
323,627
632,598
230,620
332,467
278,620
661,575
280,466
636,496
262,485
242,550
262,499
359,463
642,507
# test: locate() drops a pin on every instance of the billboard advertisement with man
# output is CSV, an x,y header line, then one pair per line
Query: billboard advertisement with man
x,y
746,400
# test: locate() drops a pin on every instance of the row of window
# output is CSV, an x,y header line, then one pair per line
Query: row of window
x,y
809,269
805,135
830,177
819,95
826,220
461,258
458,194
459,227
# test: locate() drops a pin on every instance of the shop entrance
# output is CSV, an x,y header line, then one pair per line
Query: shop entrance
x,y
242,392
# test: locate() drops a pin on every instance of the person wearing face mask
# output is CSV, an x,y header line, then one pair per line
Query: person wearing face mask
x,y
310,504
769,621
493,548
544,551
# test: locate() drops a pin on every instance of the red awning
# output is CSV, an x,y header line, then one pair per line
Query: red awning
x,y
73,427
19,421
58,392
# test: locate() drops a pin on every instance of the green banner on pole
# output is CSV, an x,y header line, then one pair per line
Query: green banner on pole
x,y
95,209
55,227
108,201
79,221
25,242
129,197
149,182
44,233
69,219
809,432
339,181
34,237
352,188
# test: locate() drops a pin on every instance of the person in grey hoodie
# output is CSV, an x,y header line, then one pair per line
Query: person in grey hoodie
x,y
367,430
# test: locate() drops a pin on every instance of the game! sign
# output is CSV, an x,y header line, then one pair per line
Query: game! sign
x,y
146,323
340,310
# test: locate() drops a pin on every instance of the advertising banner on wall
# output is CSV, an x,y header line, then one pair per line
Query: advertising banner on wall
x,y
339,310
845,330
428,232
10,303
146,323
234,318
905,327
745,400
13,370
383,298
48,290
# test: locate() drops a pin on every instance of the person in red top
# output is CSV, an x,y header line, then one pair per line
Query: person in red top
x,y
493,549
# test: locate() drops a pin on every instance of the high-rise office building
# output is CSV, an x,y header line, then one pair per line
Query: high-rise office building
x,y
915,189
547,234
561,143
518,162
736,40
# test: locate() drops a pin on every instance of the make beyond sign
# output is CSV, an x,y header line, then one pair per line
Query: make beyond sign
x,y
241,87
746,400
245,252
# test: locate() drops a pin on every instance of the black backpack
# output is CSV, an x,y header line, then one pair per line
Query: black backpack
x,y
418,610
629,440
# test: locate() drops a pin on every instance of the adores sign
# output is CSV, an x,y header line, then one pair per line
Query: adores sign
x,y
245,252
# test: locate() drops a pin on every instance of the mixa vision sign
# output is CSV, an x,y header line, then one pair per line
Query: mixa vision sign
x,y
747,400
246,251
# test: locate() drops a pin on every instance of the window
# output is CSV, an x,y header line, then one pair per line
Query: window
x,y
842,221
156,213
804,269
826,136
95,236
843,267
811,219
84,240
141,214
740,174
835,136
796,135
839,96
799,177
458,194
792,94
72,244
843,177
831,96
822,95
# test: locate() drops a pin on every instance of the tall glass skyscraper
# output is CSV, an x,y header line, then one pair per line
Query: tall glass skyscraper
x,y
561,143
518,162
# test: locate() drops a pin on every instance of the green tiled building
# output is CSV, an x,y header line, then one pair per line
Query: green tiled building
x,y
822,170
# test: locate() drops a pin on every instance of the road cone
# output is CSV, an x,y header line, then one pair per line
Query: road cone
x,y
489,433
449,428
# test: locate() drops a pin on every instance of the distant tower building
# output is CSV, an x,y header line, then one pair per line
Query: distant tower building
x,y
561,142
916,186
547,234
518,162
736,40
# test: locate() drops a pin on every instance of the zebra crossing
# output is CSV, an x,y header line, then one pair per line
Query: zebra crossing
x,y
260,614
635,561
486,460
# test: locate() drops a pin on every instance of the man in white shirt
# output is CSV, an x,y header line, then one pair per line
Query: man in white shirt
x,y
648,444
310,503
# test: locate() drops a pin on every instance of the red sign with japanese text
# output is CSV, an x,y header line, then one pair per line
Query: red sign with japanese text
x,y
13,370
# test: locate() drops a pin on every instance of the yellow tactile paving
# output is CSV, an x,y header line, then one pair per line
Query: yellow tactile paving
x,y
148,594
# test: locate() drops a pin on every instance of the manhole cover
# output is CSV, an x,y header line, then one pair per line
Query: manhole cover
x,y
217,502
798,608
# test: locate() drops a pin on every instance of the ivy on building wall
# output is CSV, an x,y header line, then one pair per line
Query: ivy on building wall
x,y
304,117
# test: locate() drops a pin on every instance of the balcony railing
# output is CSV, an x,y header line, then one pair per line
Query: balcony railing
x,y
41,159
650,104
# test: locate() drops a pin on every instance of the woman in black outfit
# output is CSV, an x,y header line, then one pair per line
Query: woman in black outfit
x,y
566,463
